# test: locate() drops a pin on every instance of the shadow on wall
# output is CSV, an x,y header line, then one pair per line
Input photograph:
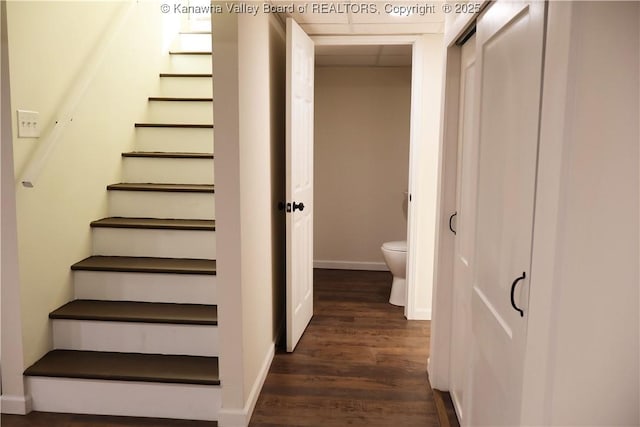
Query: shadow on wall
x,y
278,193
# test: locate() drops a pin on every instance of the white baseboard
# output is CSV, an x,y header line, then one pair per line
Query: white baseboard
x,y
420,314
229,417
16,405
350,265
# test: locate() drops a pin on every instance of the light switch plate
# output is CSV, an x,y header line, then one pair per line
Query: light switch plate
x,y
28,124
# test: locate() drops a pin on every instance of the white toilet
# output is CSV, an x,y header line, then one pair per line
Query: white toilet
x,y
395,255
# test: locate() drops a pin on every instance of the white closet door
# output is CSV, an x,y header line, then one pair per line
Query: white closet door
x,y
509,70
464,226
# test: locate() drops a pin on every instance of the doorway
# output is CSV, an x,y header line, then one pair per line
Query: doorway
x,y
361,153
426,83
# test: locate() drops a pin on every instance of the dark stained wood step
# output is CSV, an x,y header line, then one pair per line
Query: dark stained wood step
x,y
98,365
146,265
53,419
156,223
172,188
143,312
174,125
189,52
168,155
179,99
192,75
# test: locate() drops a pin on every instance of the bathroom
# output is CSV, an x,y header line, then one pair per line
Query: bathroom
x,y
362,126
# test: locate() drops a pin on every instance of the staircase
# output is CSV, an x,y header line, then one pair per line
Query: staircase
x,y
141,337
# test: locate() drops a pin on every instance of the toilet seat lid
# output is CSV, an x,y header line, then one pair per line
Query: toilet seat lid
x,y
398,246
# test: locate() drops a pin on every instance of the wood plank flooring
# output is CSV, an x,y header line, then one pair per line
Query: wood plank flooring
x,y
360,362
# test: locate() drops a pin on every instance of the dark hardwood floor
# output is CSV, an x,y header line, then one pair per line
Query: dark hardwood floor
x,y
360,362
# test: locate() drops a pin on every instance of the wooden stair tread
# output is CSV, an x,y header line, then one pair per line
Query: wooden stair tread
x,y
147,265
175,188
175,125
190,75
144,312
190,52
179,99
168,155
156,223
127,367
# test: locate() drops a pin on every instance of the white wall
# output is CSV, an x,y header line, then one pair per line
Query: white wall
x,y
361,163
584,301
225,111
428,56
11,349
49,44
261,96
249,133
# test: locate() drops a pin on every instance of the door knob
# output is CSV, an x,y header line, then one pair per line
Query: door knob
x,y
299,206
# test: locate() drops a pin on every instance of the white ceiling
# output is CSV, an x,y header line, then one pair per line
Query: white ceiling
x,y
365,17
364,56
340,17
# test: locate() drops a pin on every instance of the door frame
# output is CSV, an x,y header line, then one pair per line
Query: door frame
x,y
421,224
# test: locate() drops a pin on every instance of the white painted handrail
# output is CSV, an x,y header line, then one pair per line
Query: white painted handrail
x,y
65,114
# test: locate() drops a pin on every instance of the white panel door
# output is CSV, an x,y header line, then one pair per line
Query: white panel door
x,y
464,226
509,43
299,177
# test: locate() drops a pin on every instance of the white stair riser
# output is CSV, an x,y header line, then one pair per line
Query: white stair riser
x,y
168,171
192,42
190,64
198,22
161,204
199,112
142,242
125,398
174,139
201,87
146,287
135,337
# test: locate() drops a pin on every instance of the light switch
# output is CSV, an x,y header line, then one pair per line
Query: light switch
x,y
28,124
